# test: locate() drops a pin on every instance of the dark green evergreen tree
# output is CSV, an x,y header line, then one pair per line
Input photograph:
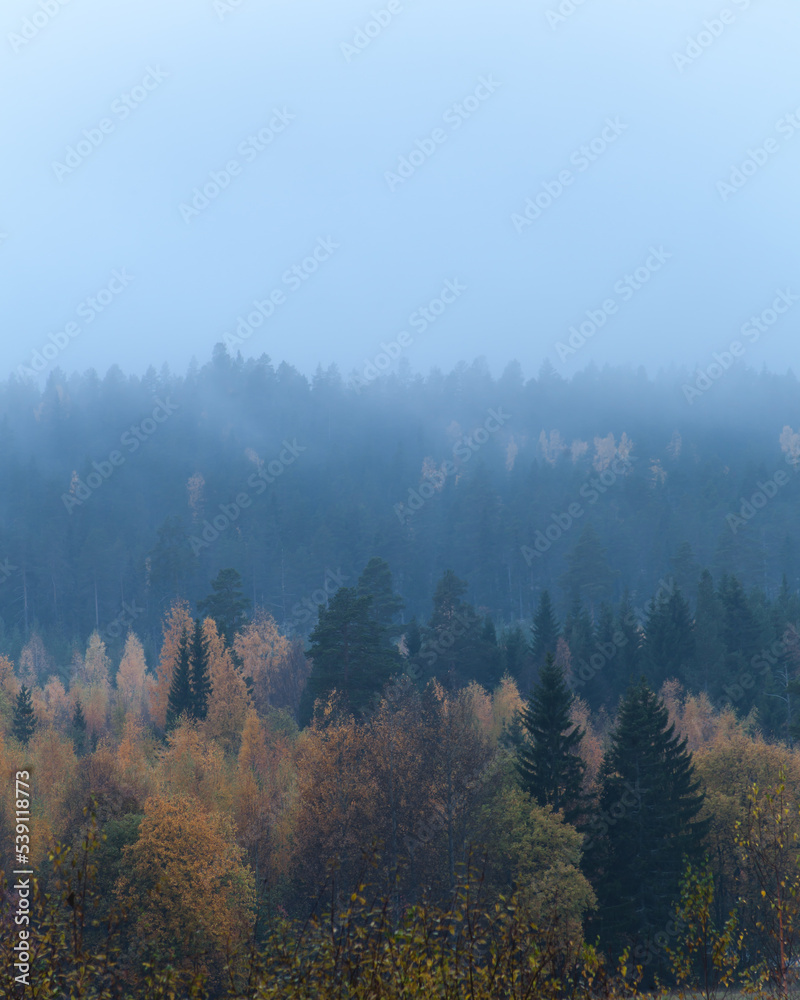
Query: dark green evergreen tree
x,y
600,688
588,575
180,692
626,665
452,647
376,582
740,631
79,729
685,570
786,610
227,604
549,767
579,634
350,653
24,720
545,630
516,654
646,826
668,647
741,640
170,561
200,679
491,668
707,669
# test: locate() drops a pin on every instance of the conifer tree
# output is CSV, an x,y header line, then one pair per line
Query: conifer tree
x,y
588,575
200,680
549,767
227,604
625,666
24,721
707,672
350,653
515,652
376,582
180,692
646,826
669,641
545,630
454,649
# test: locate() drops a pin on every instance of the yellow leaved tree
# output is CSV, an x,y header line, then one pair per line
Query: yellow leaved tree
x,y
229,699
184,883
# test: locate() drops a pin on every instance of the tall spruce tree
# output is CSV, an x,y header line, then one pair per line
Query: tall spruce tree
x,y
646,827
707,671
516,652
200,680
669,641
227,604
455,648
24,721
545,630
350,653
548,764
376,582
180,692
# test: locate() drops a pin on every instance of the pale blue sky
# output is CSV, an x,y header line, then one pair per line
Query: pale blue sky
x,y
324,177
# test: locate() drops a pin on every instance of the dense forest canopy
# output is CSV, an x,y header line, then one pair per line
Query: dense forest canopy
x,y
295,643
120,493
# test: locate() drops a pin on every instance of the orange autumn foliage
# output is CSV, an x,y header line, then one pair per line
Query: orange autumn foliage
x,y
264,653
51,760
506,703
229,700
185,882
176,621
263,799
133,682
8,679
196,767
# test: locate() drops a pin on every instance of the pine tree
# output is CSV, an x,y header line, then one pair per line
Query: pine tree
x,y
625,667
588,575
227,605
200,680
707,671
350,653
741,637
515,652
453,649
646,827
669,641
685,569
548,765
600,688
79,728
545,630
740,630
579,635
376,582
180,692
24,721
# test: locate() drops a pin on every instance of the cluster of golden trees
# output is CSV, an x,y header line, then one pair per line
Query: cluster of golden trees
x,y
219,829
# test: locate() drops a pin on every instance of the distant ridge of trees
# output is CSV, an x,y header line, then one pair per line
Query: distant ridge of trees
x,y
297,481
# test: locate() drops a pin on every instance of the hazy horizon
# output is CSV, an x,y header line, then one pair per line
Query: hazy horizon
x,y
386,150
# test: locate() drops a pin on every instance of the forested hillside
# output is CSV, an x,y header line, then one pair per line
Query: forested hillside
x,y
485,686
119,494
